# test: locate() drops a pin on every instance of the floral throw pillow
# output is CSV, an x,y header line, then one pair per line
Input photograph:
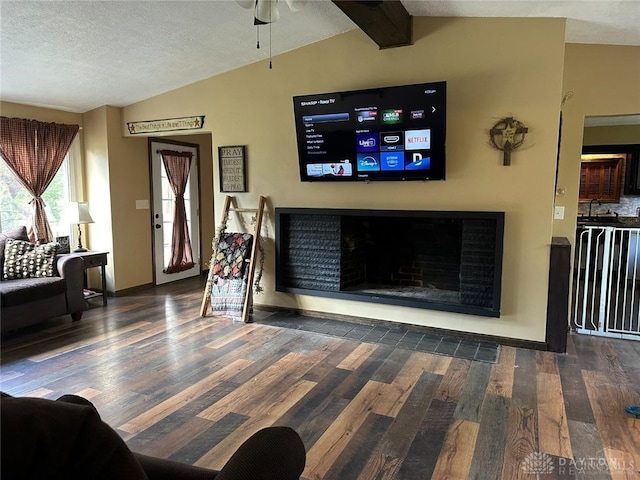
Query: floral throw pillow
x,y
26,260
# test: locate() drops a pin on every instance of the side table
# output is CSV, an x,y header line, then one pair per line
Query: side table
x,y
91,259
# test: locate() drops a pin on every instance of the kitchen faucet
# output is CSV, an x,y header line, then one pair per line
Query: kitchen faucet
x,y
591,204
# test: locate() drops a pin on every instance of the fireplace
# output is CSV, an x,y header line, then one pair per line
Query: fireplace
x,y
449,261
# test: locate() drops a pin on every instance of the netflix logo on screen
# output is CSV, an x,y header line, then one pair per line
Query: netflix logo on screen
x,y
417,139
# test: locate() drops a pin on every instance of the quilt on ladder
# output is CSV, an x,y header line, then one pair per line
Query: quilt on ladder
x,y
230,270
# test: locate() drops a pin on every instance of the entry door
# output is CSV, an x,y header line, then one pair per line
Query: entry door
x,y
163,206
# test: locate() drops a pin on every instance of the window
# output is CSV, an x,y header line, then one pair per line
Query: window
x,y
15,209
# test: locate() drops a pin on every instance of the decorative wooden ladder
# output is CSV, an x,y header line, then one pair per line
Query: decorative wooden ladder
x,y
227,209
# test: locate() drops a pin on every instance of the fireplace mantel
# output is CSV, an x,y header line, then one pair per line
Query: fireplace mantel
x,y
439,260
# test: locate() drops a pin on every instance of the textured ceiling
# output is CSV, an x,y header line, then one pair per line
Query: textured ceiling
x,y
79,55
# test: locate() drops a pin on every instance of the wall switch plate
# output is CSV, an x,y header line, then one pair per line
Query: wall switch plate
x,y
558,214
142,204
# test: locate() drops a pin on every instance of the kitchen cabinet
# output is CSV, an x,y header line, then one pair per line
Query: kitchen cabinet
x,y
628,172
601,177
633,185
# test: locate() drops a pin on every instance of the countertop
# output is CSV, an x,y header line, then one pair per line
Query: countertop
x,y
608,221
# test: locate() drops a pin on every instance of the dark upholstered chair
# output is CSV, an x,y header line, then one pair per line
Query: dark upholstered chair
x,y
27,301
66,439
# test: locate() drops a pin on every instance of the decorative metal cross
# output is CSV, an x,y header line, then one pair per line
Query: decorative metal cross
x,y
507,135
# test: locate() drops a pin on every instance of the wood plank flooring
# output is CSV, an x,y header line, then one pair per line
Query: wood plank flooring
x,y
192,389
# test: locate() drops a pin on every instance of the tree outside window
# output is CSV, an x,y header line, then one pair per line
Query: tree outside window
x,y
15,209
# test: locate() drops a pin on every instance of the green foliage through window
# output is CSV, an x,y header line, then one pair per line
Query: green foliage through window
x,y
15,209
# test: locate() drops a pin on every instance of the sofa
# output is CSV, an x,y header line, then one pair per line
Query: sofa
x,y
67,439
53,290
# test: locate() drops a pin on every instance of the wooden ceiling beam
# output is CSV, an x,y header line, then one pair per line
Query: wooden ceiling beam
x,y
386,22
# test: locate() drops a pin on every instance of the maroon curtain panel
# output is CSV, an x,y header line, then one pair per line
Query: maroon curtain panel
x,y
178,165
34,151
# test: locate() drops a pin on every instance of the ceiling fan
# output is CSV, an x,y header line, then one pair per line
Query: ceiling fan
x,y
266,11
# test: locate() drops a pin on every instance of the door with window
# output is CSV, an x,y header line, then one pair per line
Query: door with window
x,y
163,210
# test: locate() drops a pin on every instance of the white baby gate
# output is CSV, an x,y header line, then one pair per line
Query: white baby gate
x,y
606,288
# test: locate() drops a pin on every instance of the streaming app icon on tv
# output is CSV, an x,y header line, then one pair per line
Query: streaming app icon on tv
x,y
391,141
367,142
367,116
391,161
417,139
417,161
389,117
368,162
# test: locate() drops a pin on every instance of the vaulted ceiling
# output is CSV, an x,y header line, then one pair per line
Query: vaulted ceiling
x,y
78,55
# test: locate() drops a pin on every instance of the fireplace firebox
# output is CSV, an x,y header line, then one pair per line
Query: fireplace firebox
x,y
438,260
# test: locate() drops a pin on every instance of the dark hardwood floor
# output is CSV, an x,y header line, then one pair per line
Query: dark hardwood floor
x,y
192,389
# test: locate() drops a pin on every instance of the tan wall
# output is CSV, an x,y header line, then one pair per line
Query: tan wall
x,y
118,175
96,162
488,77
8,109
604,81
131,227
612,135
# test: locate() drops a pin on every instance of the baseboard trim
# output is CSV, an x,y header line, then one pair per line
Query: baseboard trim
x,y
132,290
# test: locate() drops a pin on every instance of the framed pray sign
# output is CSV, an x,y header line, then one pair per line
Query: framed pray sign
x,y
232,163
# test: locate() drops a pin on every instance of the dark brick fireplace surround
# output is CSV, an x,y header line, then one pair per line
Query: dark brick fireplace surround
x,y
438,260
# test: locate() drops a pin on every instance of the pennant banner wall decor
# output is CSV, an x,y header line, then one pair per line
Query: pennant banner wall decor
x,y
166,125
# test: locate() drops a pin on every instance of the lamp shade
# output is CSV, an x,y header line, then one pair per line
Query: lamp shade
x,y
79,213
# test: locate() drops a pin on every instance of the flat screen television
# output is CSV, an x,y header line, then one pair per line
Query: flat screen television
x,y
389,133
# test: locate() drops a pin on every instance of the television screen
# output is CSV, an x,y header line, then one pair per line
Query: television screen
x,y
390,133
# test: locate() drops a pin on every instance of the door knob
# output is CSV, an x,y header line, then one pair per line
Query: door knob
x,y
158,225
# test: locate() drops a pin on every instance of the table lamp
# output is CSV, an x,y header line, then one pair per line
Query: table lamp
x,y
79,214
